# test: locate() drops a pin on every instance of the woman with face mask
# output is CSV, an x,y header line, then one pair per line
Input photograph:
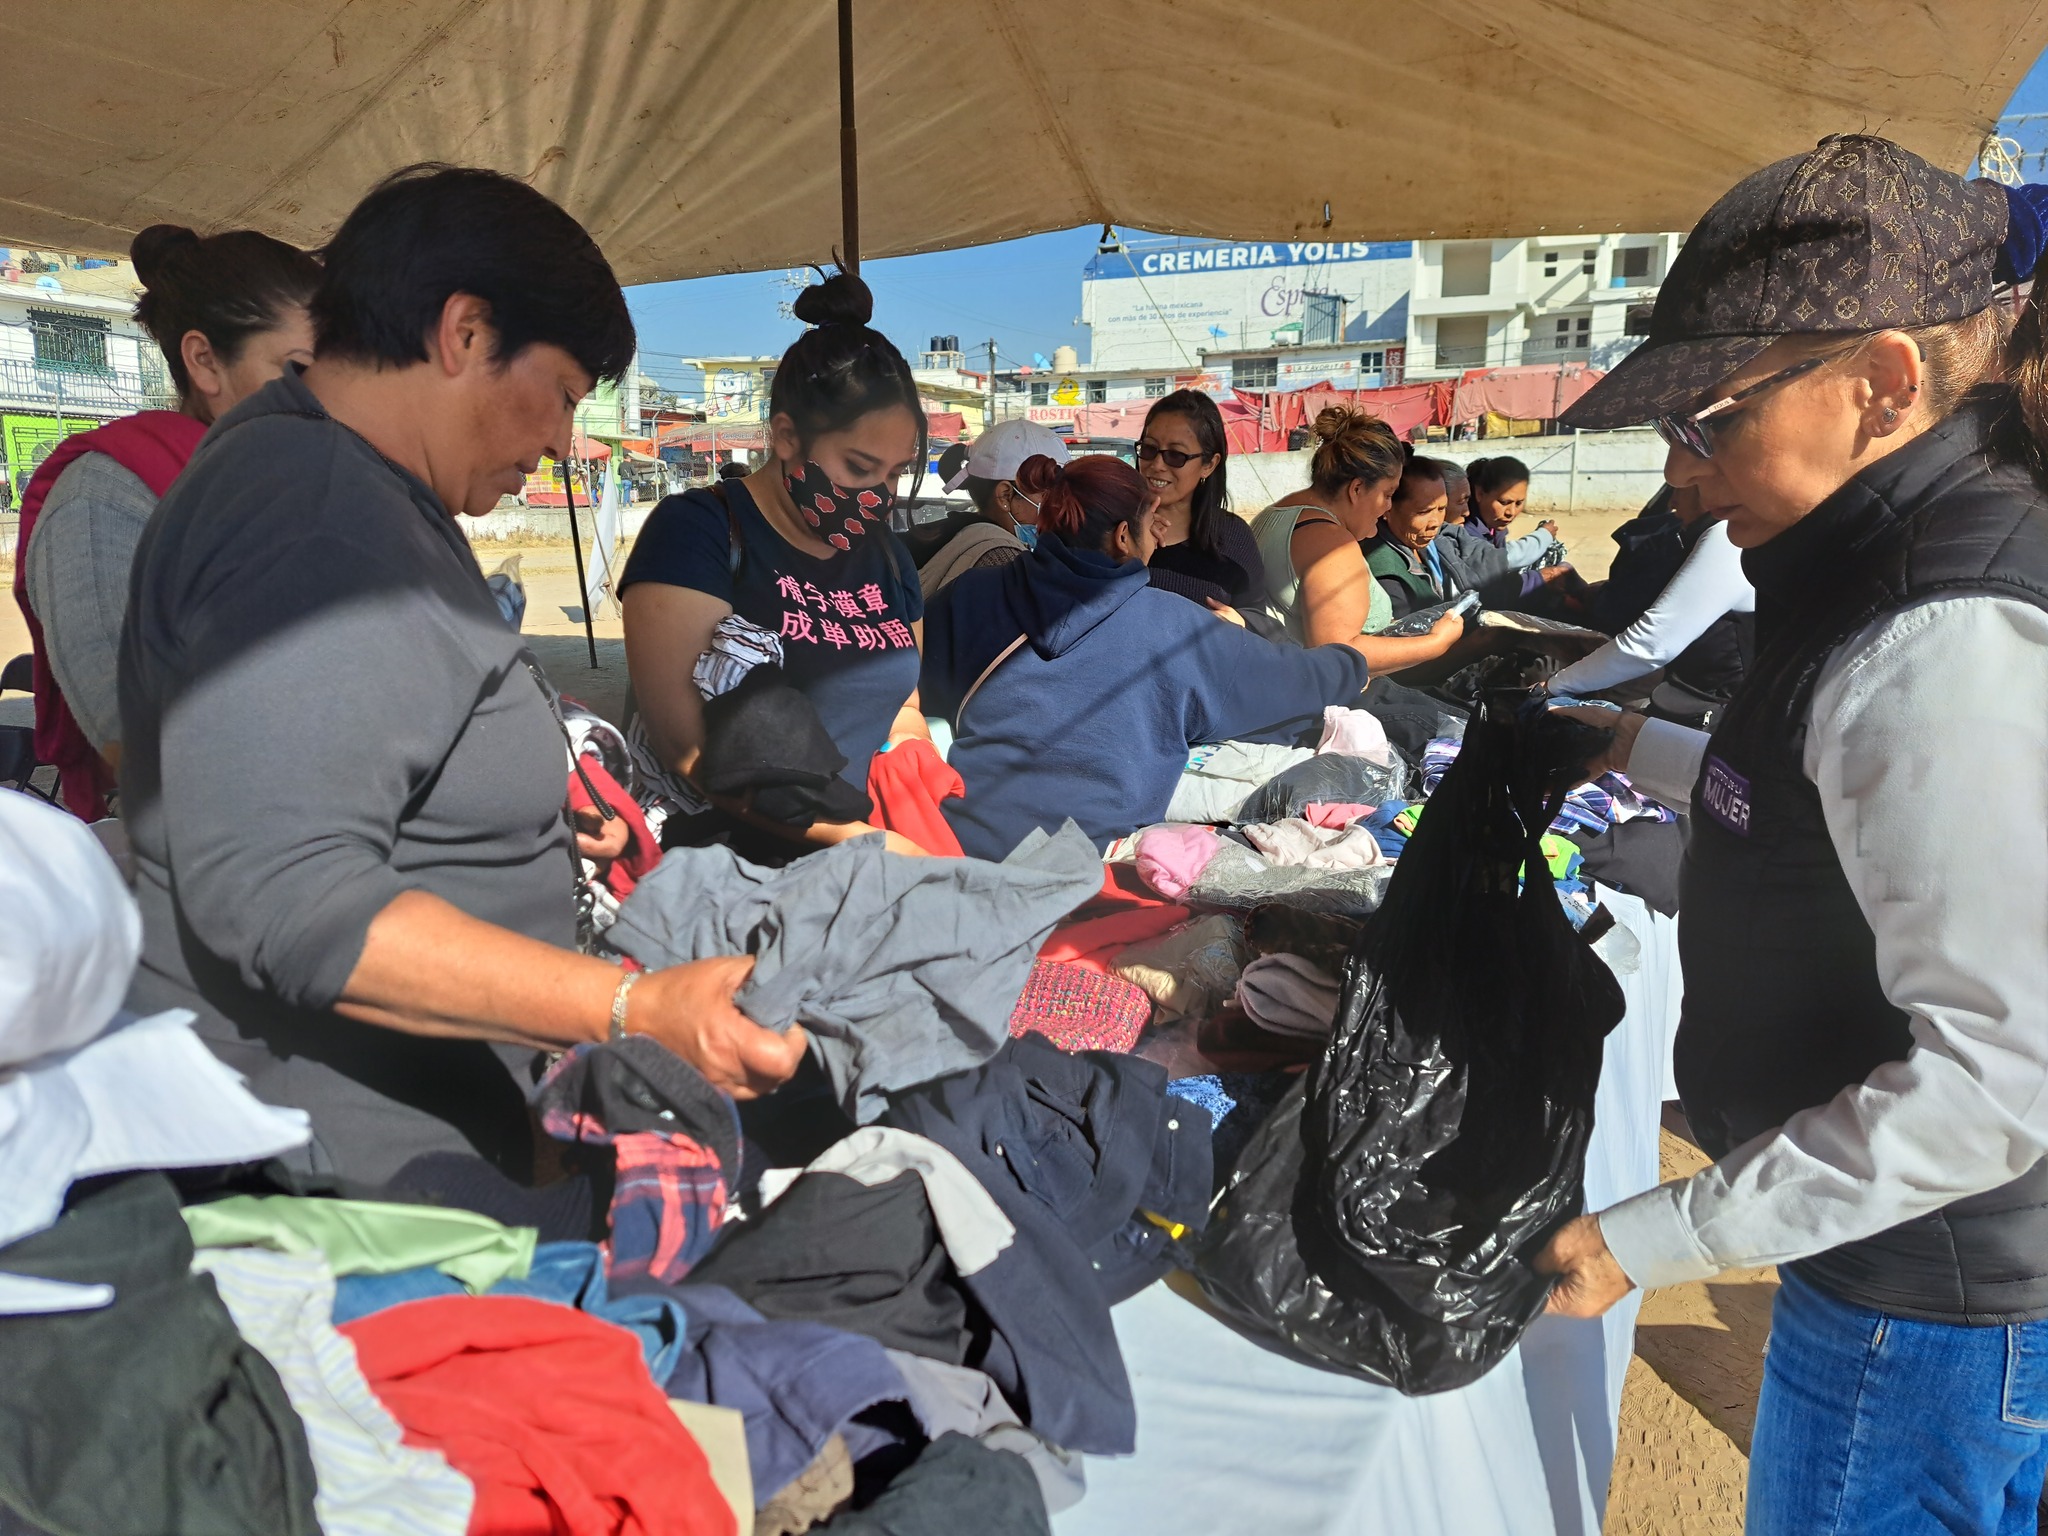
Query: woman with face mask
x,y
801,549
229,312
1865,1033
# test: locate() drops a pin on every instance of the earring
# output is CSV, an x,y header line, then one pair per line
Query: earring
x,y
1890,415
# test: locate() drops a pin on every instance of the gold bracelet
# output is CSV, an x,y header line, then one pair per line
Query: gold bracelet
x,y
618,1031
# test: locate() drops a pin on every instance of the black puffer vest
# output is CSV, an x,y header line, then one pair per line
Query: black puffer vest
x,y
1782,1003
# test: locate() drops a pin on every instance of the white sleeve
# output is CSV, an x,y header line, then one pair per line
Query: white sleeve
x,y
1665,762
1928,741
1708,585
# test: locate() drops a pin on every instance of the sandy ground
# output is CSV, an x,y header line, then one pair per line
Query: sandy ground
x,y
1682,1457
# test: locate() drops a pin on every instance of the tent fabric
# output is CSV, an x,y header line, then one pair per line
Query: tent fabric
x,y
1271,1443
1262,421
699,136
1534,393
1125,418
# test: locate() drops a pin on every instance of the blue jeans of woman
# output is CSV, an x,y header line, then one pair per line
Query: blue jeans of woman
x,y
1886,1426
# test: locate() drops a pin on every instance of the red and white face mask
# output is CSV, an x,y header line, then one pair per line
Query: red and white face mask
x,y
837,515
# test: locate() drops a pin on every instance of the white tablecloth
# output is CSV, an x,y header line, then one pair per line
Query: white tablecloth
x,y
1233,1438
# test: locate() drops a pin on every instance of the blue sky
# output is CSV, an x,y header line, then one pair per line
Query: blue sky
x,y
1024,293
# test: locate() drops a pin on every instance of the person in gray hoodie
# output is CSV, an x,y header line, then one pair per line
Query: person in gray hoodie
x,y
343,774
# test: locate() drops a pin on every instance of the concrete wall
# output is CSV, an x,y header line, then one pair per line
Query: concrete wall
x,y
1594,472
514,524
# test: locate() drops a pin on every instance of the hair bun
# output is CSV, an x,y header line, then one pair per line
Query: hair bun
x,y
1331,421
841,299
1038,474
154,246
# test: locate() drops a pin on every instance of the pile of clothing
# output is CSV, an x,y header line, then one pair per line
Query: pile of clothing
x,y
908,1332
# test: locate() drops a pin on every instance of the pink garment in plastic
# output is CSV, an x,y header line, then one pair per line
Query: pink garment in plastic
x,y
1336,815
1172,857
1355,733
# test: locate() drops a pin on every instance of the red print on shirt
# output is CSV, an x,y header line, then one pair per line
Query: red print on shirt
x,y
871,596
899,635
869,638
796,625
834,635
789,589
843,604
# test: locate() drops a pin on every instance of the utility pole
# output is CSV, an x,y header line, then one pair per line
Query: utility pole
x,y
989,417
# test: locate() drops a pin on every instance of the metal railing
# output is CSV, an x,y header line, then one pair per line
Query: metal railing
x,y
56,388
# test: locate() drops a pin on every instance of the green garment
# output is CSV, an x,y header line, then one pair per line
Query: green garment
x,y
1273,529
1389,561
1559,852
368,1237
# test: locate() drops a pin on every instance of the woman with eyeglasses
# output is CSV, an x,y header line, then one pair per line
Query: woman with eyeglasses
x,y
1205,553
1865,1037
1322,592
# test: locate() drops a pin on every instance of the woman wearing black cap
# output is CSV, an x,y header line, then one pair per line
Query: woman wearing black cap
x,y
1865,898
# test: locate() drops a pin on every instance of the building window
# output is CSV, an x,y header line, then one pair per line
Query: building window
x,y
1255,373
1372,362
72,343
1461,341
1468,269
1098,391
1632,265
1550,263
1155,389
1587,261
1574,333
1041,392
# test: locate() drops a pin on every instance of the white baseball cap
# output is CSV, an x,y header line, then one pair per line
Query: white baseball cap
x,y
1001,450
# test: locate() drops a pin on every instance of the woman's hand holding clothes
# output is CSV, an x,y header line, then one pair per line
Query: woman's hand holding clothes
x,y
689,1008
1627,725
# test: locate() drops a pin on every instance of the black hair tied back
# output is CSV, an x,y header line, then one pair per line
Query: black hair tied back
x,y
840,299
155,248
841,370
227,287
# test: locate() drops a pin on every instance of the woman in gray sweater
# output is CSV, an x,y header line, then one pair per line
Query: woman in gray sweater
x,y
343,775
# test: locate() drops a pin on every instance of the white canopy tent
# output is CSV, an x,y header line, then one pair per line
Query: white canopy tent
x,y
697,136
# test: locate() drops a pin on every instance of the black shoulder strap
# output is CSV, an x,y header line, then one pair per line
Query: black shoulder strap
x,y
734,548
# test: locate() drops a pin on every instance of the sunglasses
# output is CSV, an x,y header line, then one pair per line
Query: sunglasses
x,y
1692,431
1175,459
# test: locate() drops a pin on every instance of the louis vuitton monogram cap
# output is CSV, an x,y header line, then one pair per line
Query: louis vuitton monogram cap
x,y
1855,235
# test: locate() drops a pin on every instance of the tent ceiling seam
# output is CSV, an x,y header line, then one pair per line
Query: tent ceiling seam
x,y
1003,22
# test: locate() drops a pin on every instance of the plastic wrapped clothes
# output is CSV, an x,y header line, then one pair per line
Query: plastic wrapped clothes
x,y
1325,779
1189,971
1383,1221
1238,879
1218,778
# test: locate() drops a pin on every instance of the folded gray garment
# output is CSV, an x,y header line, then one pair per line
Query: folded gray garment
x,y
902,969
1289,996
1237,879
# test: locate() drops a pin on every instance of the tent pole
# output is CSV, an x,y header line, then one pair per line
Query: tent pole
x,y
849,148
582,577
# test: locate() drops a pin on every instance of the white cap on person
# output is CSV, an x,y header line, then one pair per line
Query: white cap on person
x,y
999,451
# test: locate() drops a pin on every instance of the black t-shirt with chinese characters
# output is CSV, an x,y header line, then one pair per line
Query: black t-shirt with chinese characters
x,y
844,621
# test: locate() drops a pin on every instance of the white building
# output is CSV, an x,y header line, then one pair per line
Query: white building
x,y
1214,315
71,356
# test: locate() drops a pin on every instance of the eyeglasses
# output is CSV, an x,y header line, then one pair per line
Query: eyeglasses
x,y
1691,430
1175,459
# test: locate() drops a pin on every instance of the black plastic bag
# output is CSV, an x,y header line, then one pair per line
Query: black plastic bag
x,y
1384,1220
1329,778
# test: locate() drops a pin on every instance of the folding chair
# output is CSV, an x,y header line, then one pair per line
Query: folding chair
x,y
18,762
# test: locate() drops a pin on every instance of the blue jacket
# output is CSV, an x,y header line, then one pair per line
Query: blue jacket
x,y
1093,717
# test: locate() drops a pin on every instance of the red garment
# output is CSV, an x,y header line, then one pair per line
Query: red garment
x,y
907,782
549,1411
153,446
1096,942
642,851
1530,393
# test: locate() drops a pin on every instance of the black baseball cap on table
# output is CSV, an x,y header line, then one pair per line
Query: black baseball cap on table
x,y
1854,236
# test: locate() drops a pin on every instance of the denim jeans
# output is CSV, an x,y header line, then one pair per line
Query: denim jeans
x,y
1885,1426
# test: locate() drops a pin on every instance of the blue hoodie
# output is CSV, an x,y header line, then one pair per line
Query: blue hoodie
x,y
1093,718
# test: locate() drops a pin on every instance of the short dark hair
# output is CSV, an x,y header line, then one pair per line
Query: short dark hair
x,y
841,369
429,232
227,287
1210,504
